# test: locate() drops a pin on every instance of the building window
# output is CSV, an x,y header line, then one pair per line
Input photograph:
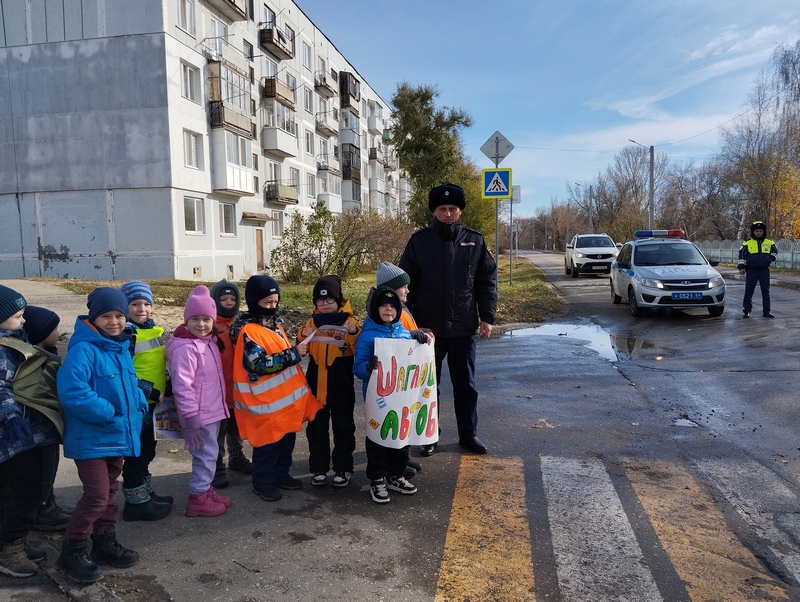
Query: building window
x,y
308,99
227,218
310,181
190,82
277,223
323,149
218,36
237,150
247,48
235,89
306,56
193,220
309,143
321,66
294,176
269,16
290,36
192,149
186,16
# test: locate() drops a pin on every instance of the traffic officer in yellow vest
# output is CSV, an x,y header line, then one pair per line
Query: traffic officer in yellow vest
x,y
271,396
755,257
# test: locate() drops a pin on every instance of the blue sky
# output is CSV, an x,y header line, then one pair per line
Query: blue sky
x,y
568,82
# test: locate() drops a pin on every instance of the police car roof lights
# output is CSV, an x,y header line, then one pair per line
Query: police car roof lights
x,y
658,233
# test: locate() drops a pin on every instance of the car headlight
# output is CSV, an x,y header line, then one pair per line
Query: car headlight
x,y
652,283
716,281
578,254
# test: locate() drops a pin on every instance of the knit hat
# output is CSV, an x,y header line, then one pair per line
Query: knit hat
x,y
225,287
136,289
10,302
446,194
758,224
39,323
105,299
200,303
328,286
382,296
257,288
391,276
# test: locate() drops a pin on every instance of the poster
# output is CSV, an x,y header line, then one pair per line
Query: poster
x,y
401,403
165,421
329,335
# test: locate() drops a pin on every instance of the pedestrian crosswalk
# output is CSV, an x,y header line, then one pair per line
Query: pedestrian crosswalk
x,y
629,530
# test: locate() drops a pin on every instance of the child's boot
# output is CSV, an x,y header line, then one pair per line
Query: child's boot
x,y
222,499
51,516
139,506
107,550
202,504
75,562
240,463
14,561
156,497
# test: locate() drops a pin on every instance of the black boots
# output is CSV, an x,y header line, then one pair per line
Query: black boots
x,y
75,562
107,550
140,505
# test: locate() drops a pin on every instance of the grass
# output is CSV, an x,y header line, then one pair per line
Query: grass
x,y
528,299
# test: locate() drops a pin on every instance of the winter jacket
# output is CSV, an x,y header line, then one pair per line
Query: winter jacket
x,y
757,253
330,368
365,346
453,279
23,389
195,370
226,355
97,386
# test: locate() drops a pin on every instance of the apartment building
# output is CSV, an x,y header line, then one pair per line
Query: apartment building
x,y
176,138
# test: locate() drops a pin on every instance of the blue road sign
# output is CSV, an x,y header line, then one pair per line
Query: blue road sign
x,y
496,183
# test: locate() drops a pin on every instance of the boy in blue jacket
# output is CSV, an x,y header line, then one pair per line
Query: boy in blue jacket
x,y
103,411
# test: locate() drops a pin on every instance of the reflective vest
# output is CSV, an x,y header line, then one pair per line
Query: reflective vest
x,y
148,356
274,404
407,320
34,383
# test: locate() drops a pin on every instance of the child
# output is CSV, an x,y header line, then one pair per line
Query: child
x,y
195,370
383,322
147,349
226,296
330,376
41,326
271,393
103,411
30,427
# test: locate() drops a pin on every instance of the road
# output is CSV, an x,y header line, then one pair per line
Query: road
x,y
630,459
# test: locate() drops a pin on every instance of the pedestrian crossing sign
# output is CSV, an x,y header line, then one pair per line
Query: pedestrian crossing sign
x,y
496,183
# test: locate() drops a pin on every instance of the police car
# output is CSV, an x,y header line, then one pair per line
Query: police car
x,y
659,269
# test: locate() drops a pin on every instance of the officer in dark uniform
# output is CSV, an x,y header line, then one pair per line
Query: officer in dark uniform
x,y
755,257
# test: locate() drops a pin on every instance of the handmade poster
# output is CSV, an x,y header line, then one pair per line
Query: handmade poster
x,y
401,403
165,421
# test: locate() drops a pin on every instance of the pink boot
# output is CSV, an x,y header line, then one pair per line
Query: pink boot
x,y
222,499
202,504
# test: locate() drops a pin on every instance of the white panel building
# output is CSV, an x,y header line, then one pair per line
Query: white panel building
x,y
176,138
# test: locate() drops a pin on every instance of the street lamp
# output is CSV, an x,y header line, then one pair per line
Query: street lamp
x,y
652,183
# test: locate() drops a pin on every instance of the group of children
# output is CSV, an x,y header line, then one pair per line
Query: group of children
x,y
232,375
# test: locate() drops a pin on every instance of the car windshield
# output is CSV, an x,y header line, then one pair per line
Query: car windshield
x,y
594,241
667,254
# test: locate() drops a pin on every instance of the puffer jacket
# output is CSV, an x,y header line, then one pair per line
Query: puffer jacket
x,y
365,346
453,279
98,388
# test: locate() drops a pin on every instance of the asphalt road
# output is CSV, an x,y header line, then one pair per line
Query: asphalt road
x,y
630,459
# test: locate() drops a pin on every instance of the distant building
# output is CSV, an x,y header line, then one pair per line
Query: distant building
x,y
175,139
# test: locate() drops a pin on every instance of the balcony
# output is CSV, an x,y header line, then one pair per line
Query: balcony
x,y
328,163
326,125
375,154
217,50
351,173
279,142
323,84
276,43
333,202
222,116
377,185
285,193
235,10
274,88
375,125
348,136
389,163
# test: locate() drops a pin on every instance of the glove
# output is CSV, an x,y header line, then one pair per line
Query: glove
x,y
194,433
419,336
372,364
17,429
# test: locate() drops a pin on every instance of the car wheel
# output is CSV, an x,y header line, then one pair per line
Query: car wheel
x,y
615,298
716,311
566,268
574,271
633,306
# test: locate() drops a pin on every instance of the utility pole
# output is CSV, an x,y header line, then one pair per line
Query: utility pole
x,y
652,179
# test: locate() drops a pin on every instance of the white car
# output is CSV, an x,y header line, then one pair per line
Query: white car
x,y
659,269
590,254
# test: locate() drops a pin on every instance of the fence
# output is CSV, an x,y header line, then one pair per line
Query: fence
x,y
727,251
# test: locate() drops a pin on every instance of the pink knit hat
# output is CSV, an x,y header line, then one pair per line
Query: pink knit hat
x,y
200,303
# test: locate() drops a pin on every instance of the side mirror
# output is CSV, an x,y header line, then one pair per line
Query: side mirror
x,y
569,245
625,265
713,263
619,245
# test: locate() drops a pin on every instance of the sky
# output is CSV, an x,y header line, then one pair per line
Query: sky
x,y
569,82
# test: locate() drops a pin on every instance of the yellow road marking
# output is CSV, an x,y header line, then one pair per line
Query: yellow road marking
x,y
487,551
704,551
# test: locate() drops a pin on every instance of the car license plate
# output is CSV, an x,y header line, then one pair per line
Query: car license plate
x,y
599,267
681,296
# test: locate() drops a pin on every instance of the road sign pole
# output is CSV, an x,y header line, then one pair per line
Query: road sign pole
x,y
492,149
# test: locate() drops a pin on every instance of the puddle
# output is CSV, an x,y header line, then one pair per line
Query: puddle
x,y
631,346
598,339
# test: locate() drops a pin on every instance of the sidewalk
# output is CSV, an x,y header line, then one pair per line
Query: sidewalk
x,y
784,280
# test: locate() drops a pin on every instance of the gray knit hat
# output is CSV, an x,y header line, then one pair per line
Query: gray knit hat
x,y
391,276
10,302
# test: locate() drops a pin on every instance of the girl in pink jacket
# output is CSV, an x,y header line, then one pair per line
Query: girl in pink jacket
x,y
195,368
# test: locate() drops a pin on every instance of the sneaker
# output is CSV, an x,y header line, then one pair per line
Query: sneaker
x,y
241,463
290,483
15,562
377,489
220,480
341,479
320,479
400,484
34,549
51,517
270,494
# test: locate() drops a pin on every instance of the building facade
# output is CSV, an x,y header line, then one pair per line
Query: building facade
x,y
176,138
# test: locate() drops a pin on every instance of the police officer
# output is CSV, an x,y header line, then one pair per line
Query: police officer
x,y
755,257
